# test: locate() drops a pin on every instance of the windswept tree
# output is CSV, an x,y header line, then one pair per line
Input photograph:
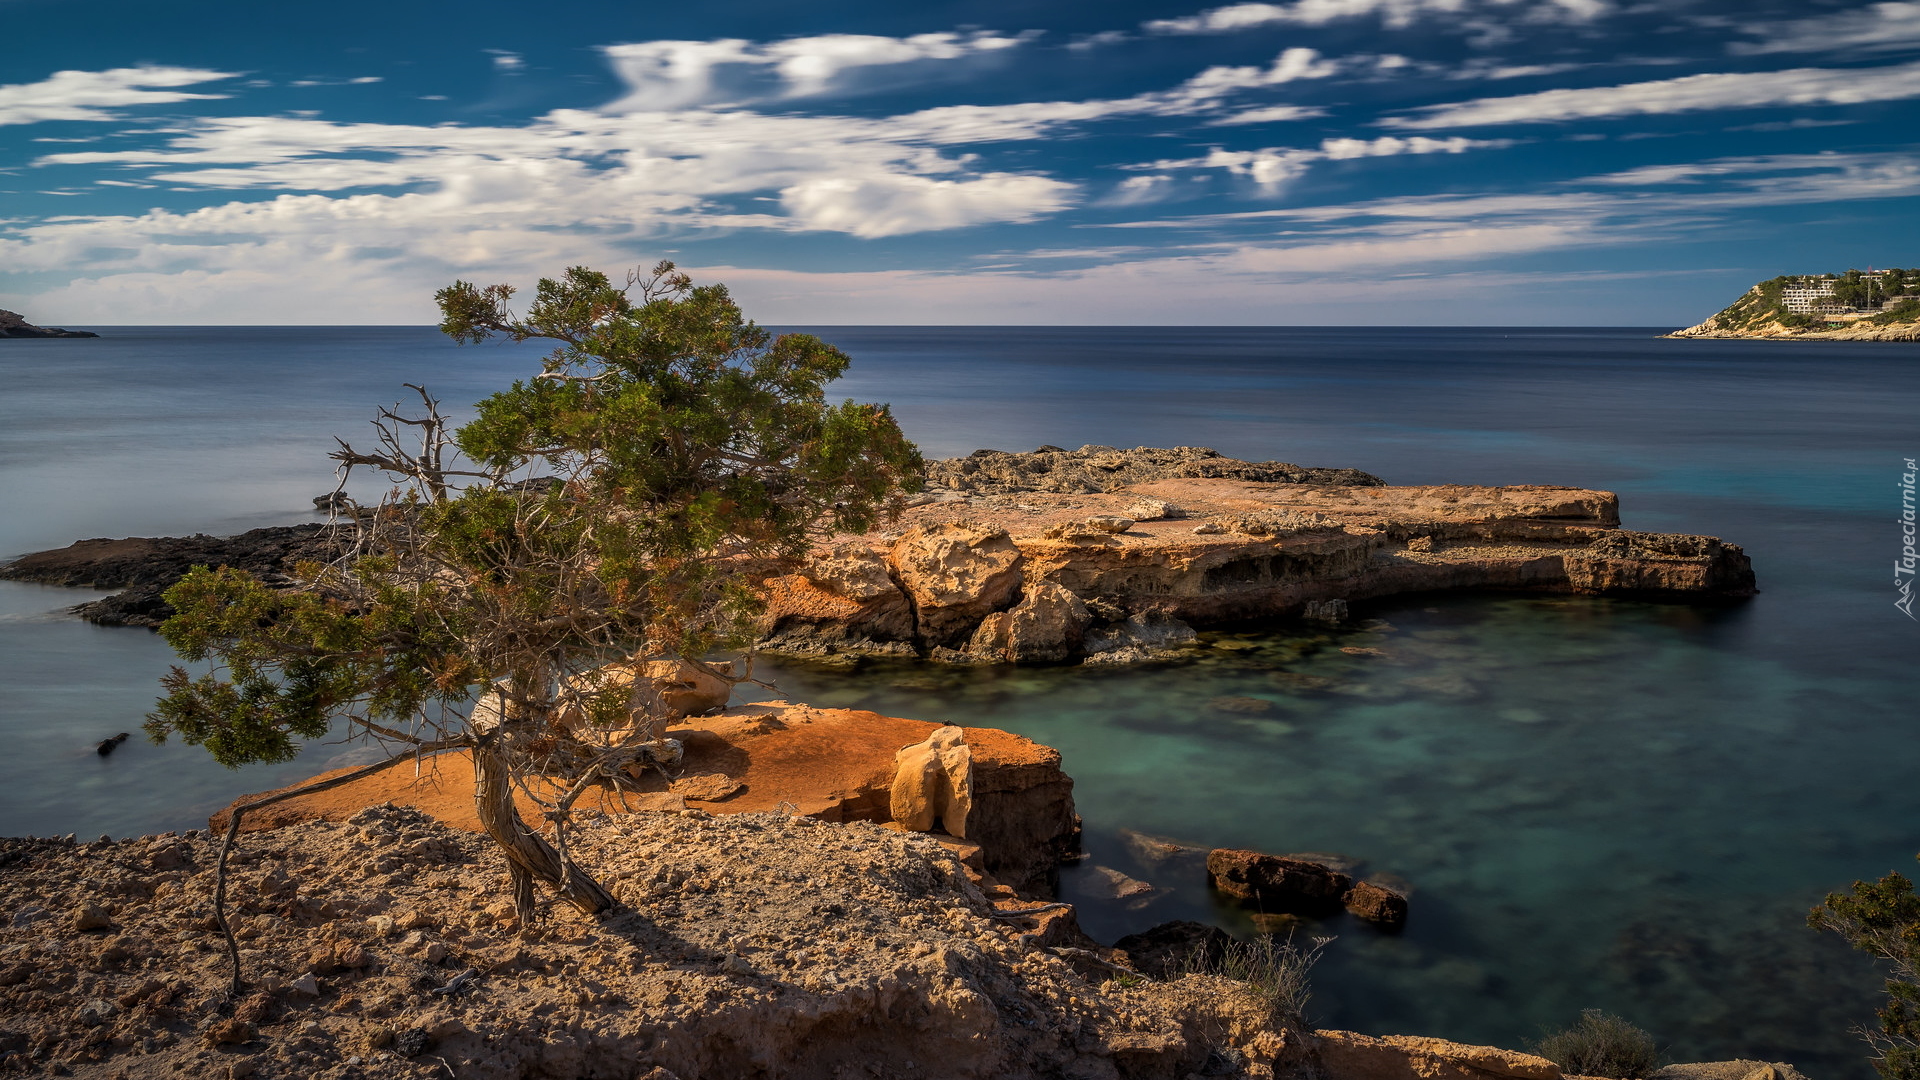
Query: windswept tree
x,y
528,578
1882,918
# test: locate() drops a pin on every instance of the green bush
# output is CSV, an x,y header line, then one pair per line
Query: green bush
x,y
1601,1045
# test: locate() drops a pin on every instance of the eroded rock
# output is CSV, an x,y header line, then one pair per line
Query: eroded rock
x,y
1274,883
933,782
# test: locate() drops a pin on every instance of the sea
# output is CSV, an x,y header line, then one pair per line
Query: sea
x,y
1594,803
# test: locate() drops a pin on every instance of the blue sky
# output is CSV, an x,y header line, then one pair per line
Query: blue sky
x,y
1294,162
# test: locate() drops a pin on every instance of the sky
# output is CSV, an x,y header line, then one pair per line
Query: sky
x,y
1299,162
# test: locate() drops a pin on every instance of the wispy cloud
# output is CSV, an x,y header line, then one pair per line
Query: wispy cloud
x,y
1882,27
1273,167
94,95
1691,93
1397,14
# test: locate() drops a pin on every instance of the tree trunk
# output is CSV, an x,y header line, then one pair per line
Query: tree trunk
x,y
529,854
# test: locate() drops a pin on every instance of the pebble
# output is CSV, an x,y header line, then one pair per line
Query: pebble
x,y
91,916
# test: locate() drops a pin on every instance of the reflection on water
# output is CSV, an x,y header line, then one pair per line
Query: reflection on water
x,y
1594,803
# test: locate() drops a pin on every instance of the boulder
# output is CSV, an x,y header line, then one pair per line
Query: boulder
x,y
1176,948
1376,904
1274,883
1345,1055
1048,625
955,574
933,781
1660,564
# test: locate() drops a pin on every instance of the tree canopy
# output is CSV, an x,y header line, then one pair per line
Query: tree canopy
x,y
615,510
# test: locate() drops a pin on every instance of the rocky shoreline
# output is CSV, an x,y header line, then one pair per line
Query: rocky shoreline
x,y
1096,555
758,945
15,325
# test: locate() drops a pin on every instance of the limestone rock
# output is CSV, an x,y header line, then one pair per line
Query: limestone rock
x,y
1637,563
1740,1069
1111,523
955,574
1376,903
685,689
1348,1056
934,781
1148,635
1095,468
1277,884
1046,626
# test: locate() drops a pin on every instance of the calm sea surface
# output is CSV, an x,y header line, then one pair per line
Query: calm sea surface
x,y
1596,803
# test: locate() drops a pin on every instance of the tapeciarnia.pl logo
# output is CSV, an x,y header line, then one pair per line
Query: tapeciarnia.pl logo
x,y
1903,567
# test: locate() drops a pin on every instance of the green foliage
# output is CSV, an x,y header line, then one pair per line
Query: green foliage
x,y
672,453
1882,919
1601,1045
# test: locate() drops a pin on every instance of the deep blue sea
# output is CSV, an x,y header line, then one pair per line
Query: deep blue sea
x,y
1596,803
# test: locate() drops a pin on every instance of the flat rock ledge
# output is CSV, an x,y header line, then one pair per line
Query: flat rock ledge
x,y
1095,555
833,765
1126,574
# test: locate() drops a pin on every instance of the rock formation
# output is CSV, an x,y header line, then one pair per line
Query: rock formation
x,y
754,945
1093,469
1032,577
146,566
1119,575
14,325
933,783
835,765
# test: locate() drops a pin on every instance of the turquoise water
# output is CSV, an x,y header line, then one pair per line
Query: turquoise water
x,y
1597,803
1594,807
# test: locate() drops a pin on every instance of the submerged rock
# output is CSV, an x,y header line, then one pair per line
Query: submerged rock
x,y
1273,883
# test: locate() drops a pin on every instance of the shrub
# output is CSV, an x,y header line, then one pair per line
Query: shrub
x,y
1882,919
1277,970
1601,1045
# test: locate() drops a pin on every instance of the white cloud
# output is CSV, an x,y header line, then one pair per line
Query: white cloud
x,y
1290,65
92,95
892,204
1877,28
1397,14
1271,114
663,75
1389,146
1273,167
506,60
1692,93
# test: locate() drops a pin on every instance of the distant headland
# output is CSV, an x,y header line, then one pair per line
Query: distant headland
x,y
15,325
1859,305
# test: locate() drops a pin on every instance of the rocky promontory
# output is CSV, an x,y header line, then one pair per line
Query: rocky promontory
x,y
15,325
1005,571
1095,554
1882,305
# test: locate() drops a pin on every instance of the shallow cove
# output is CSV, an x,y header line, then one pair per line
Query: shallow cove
x,y
1593,808
1697,779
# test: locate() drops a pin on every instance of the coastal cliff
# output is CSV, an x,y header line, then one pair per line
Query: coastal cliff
x,y
1876,306
15,325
